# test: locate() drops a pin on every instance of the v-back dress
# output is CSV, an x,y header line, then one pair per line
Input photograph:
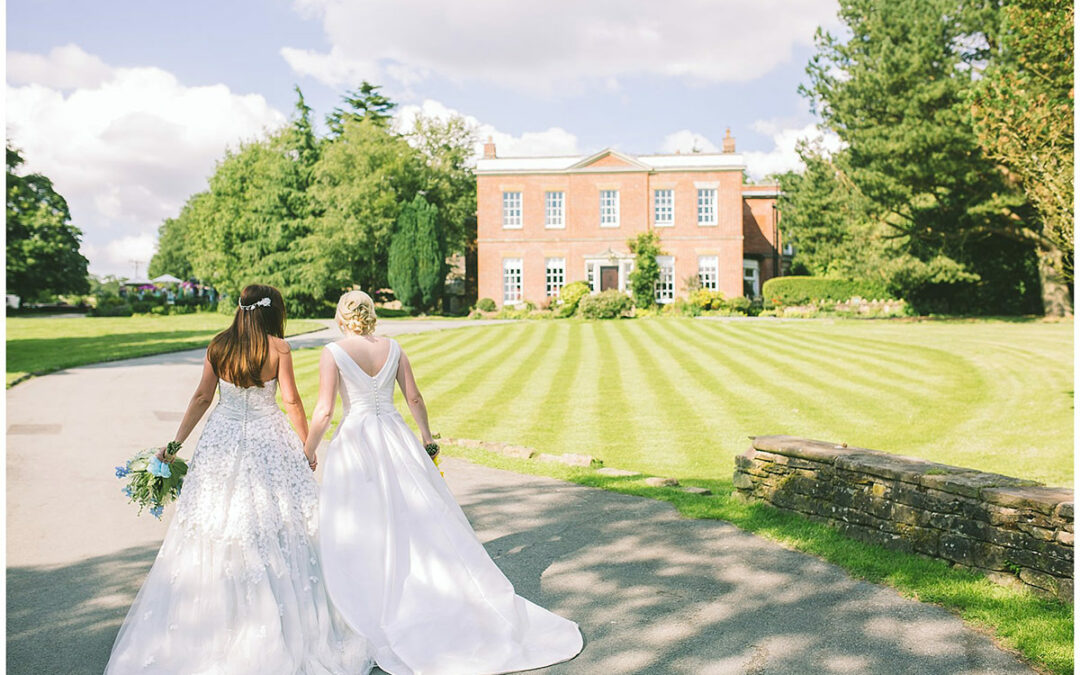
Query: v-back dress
x,y
401,561
237,587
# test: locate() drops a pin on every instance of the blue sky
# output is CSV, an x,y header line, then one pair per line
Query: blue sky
x,y
126,105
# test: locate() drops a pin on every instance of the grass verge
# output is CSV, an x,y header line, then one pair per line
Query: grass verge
x,y
36,346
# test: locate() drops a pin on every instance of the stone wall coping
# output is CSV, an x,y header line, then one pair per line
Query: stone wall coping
x,y
992,487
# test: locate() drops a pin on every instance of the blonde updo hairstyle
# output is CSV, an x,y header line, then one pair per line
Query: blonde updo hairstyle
x,y
356,313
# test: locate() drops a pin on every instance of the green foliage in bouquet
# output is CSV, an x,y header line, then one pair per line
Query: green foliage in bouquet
x,y
152,483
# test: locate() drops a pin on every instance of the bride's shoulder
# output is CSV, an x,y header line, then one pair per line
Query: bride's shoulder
x,y
279,345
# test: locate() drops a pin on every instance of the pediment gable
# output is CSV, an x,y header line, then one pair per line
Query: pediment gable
x,y
609,159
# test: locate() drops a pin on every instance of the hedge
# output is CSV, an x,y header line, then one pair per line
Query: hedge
x,y
789,291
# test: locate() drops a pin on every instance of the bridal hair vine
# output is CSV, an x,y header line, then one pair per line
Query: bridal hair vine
x,y
265,302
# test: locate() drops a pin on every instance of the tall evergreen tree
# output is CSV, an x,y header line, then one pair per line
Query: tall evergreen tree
x,y
895,91
429,252
402,271
365,102
42,245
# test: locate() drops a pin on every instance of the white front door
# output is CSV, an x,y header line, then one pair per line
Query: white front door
x,y
751,278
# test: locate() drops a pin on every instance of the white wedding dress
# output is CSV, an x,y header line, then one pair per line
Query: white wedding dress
x,y
237,586
402,563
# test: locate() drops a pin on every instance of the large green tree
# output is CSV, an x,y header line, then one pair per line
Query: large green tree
x,y
365,102
258,207
446,149
362,181
1022,108
171,256
894,90
42,244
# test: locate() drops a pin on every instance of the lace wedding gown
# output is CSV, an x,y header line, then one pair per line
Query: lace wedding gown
x,y
237,585
402,563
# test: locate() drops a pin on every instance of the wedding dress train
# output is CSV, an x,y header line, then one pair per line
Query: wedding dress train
x,y
401,561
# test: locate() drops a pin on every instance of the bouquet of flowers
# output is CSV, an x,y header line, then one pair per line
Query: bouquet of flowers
x,y
151,482
432,450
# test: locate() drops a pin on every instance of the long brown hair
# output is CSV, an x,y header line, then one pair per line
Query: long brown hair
x,y
237,354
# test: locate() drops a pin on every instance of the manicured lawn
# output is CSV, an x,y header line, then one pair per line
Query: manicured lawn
x,y
41,345
678,397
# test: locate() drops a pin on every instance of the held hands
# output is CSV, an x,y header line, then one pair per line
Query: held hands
x,y
313,461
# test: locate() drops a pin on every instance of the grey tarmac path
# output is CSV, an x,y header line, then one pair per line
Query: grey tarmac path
x,y
653,592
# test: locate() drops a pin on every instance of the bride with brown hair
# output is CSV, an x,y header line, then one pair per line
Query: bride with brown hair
x,y
402,563
237,585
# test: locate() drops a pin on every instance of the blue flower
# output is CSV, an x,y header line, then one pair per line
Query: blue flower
x,y
156,511
122,471
159,468
127,491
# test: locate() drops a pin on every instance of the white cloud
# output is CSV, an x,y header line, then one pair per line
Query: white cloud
x,y
125,147
687,141
556,46
66,67
784,156
551,141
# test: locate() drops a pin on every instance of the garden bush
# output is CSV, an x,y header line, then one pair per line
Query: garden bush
x,y
569,297
795,290
485,305
704,299
610,304
111,305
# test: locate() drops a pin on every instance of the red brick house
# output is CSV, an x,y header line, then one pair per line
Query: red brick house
x,y
543,222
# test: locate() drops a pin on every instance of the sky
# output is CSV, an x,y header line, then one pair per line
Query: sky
x,y
127,106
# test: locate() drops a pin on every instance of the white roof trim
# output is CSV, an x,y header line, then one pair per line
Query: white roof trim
x,y
582,164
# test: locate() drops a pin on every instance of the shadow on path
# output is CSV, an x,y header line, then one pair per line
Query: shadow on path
x,y
64,618
653,593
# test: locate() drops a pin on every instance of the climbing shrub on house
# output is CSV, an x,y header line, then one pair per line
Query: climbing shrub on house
x,y
646,274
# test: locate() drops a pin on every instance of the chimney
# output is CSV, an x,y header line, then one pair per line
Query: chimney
x,y
729,142
489,148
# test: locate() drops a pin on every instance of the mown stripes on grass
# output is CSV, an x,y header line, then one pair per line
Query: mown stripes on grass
x,y
682,396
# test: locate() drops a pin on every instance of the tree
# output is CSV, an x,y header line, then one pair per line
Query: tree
x,y
1022,109
429,252
646,274
446,148
895,93
42,245
171,256
363,103
402,270
360,185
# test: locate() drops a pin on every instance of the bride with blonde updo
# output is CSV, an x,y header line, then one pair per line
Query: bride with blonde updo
x,y
356,313
400,561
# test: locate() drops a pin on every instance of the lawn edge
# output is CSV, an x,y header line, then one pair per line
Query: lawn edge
x,y
39,373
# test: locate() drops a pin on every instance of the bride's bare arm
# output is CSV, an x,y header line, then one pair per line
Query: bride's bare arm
x,y
412,396
324,408
197,406
294,406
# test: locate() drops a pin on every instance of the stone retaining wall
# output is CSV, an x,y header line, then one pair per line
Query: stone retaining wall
x,y
1008,527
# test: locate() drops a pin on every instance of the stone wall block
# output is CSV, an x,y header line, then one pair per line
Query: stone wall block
x,y
742,481
968,483
1045,563
1041,499
968,551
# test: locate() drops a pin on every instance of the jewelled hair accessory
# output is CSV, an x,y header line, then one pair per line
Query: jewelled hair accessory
x,y
265,302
